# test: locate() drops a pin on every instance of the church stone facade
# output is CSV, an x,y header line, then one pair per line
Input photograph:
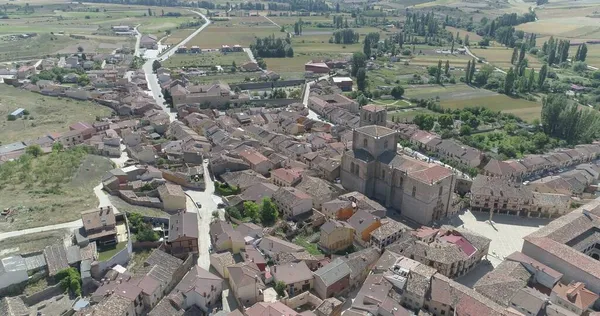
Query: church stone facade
x,y
421,191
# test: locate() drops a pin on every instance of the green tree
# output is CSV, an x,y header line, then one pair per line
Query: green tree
x,y
280,288
515,54
509,81
145,232
446,121
359,60
155,65
69,279
251,210
367,47
83,80
472,70
57,147
522,53
447,68
361,79
424,121
583,52
579,66
438,74
468,73
362,100
465,130
542,76
134,219
531,80
268,212
34,150
397,92
233,212
466,40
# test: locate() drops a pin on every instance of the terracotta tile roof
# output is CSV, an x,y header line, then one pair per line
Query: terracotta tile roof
x,y
432,175
526,260
373,108
499,168
98,218
287,175
375,130
576,294
293,272
270,309
253,156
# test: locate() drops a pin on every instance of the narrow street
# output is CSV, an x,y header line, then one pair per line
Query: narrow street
x,y
69,225
208,202
250,54
312,114
153,80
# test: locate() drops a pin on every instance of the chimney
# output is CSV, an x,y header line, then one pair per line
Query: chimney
x,y
574,289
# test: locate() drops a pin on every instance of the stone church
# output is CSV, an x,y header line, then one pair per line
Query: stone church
x,y
421,191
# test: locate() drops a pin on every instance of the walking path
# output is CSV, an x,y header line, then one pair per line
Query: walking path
x,y
483,60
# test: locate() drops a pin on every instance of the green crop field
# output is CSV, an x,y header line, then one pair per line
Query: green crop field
x,y
447,92
208,59
460,96
473,37
177,36
215,36
527,110
500,57
593,54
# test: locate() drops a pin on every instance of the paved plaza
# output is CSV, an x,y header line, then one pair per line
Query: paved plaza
x,y
506,233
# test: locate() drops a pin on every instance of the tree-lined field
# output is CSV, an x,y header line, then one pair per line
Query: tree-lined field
x,y
501,56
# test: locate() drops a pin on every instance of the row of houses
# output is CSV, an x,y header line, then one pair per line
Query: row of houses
x,y
549,197
535,165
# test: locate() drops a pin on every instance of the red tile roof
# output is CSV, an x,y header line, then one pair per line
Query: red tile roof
x,y
576,294
462,243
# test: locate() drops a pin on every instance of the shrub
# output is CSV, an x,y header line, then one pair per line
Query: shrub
x,y
69,279
11,117
280,288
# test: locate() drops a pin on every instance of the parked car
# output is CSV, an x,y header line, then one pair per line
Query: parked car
x,y
221,205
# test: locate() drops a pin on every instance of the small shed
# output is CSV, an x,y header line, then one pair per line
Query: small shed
x,y
18,112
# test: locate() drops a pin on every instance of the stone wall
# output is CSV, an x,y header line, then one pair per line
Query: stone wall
x,y
267,85
43,295
302,299
275,102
